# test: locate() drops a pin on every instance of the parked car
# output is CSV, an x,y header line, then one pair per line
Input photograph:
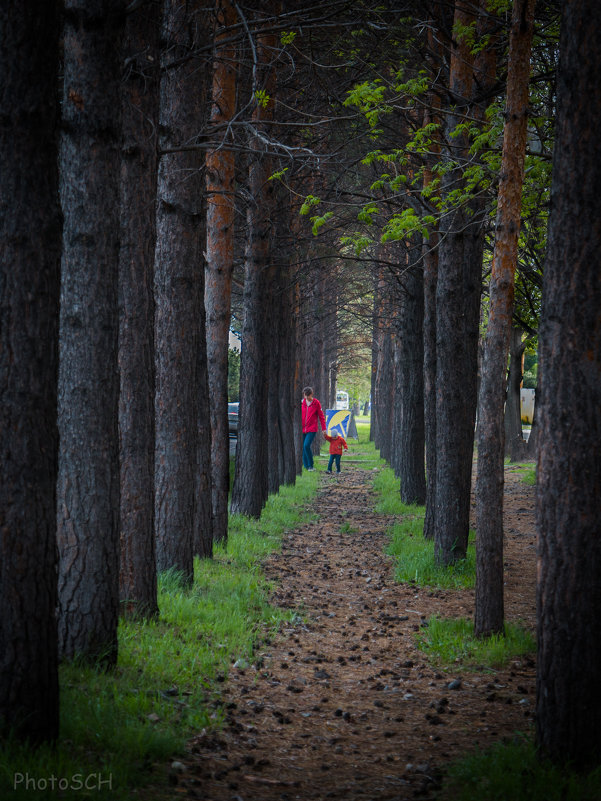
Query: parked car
x,y
232,416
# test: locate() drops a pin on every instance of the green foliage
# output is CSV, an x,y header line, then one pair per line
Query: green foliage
x,y
287,37
358,242
319,221
278,174
310,201
465,33
262,98
451,643
530,375
514,771
405,224
233,375
368,98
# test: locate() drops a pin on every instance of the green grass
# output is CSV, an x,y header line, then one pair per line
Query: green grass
x,y
527,471
388,488
451,643
415,558
512,771
168,680
346,528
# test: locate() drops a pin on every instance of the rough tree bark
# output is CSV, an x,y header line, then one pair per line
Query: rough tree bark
x,y
568,709
30,244
375,344
382,400
430,265
411,466
457,309
88,389
179,292
251,480
489,608
140,107
274,346
220,260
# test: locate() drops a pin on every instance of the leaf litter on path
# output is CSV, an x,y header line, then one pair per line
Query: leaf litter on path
x,y
342,704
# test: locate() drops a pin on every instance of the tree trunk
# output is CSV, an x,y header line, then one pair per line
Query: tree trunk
x,y
288,392
202,534
88,389
430,266
489,609
179,278
568,711
430,262
274,340
30,244
220,262
140,106
457,310
251,477
412,435
384,381
375,344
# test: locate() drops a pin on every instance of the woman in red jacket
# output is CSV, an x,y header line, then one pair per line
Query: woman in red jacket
x,y
312,414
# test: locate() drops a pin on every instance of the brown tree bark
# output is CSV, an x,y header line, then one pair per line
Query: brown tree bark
x,y
430,264
220,259
179,293
140,107
375,344
30,245
384,396
457,307
568,707
411,465
251,477
489,609
88,389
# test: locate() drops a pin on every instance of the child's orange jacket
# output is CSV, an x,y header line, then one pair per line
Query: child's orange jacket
x,y
336,445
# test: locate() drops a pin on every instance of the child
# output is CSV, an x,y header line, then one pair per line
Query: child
x,y
337,444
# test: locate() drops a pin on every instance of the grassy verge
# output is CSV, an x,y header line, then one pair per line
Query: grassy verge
x,y
414,556
115,725
451,643
527,471
445,642
514,771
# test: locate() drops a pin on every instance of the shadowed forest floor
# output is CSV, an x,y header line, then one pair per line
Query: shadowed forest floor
x,y
342,704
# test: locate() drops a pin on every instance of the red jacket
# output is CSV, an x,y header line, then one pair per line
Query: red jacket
x,y
337,445
311,414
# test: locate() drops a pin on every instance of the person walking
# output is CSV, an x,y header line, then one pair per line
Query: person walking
x,y
312,416
337,446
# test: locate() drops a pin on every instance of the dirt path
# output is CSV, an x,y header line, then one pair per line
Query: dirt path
x,y
343,705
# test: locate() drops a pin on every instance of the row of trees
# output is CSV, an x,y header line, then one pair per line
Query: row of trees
x,y
191,147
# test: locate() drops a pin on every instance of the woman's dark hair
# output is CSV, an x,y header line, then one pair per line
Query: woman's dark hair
x,y
308,391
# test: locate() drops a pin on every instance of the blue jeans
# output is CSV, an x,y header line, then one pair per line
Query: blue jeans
x,y
334,457
307,452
